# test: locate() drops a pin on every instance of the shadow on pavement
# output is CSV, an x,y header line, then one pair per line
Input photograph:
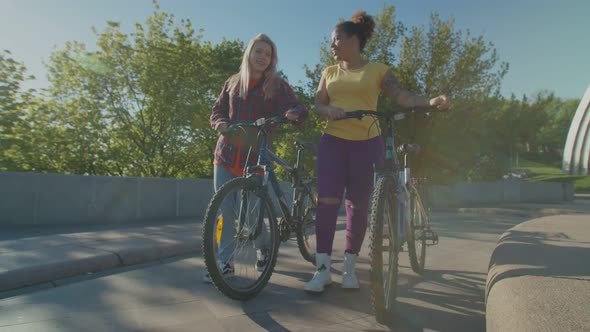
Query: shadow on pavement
x,y
430,301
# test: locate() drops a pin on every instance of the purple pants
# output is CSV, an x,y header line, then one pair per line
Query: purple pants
x,y
345,165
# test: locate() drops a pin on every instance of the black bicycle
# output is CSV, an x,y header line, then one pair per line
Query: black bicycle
x,y
240,259
398,214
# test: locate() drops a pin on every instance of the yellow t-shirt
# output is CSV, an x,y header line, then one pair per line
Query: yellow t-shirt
x,y
352,90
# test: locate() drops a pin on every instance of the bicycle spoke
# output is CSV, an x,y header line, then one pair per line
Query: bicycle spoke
x,y
383,249
244,232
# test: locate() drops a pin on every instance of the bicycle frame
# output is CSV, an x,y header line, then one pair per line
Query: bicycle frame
x,y
402,175
266,160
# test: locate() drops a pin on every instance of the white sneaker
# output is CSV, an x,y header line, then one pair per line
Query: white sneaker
x,y
262,257
227,271
322,277
349,279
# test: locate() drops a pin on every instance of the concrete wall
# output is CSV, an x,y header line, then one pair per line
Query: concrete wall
x,y
502,191
30,198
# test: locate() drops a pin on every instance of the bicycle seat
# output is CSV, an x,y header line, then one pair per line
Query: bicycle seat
x,y
408,148
306,145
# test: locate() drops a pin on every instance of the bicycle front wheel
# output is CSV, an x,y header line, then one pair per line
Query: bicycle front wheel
x,y
383,248
240,238
306,240
415,227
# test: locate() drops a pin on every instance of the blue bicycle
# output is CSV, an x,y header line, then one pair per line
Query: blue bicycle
x,y
241,234
398,214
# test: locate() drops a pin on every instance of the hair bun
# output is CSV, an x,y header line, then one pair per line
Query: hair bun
x,y
359,17
365,21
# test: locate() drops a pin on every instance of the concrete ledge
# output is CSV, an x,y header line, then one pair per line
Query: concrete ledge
x,y
539,276
54,263
539,304
74,254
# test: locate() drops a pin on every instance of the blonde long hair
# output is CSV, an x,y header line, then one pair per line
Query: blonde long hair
x,y
241,79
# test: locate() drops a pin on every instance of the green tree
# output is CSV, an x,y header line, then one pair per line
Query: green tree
x,y
309,131
13,107
139,105
548,122
430,61
553,136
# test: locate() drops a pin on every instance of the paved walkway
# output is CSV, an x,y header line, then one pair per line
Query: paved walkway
x,y
35,258
36,255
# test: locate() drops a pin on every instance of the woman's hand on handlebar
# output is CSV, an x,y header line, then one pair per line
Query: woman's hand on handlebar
x,y
441,102
226,130
221,127
331,113
292,116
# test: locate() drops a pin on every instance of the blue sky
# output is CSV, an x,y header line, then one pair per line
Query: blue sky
x,y
546,43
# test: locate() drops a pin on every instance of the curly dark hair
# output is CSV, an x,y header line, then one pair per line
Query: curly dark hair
x,y
360,24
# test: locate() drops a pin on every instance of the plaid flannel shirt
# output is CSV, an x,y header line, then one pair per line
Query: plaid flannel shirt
x,y
231,153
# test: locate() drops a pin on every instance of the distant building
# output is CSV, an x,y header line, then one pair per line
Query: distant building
x,y
576,153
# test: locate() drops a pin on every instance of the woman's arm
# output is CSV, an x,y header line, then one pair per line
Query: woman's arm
x,y
405,98
322,103
219,118
291,107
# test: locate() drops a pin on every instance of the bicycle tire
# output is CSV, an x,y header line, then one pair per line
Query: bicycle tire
x,y
248,186
306,240
383,222
415,226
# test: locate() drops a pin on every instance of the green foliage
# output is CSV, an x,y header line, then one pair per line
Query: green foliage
x,y
138,104
482,137
310,131
14,104
443,60
439,59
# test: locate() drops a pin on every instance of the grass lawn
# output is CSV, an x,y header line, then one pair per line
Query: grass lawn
x,y
542,172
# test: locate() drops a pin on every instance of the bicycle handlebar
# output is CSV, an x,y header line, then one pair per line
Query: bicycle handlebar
x,y
260,123
395,115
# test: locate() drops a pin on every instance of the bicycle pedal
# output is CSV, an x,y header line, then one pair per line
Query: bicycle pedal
x,y
431,236
400,248
434,238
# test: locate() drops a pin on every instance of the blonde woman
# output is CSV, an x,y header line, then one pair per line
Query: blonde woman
x,y
256,91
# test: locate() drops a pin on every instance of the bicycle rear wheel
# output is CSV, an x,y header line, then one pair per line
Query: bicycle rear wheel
x,y
415,227
249,233
306,236
383,248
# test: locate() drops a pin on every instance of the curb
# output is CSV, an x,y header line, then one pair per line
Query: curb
x,y
101,261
